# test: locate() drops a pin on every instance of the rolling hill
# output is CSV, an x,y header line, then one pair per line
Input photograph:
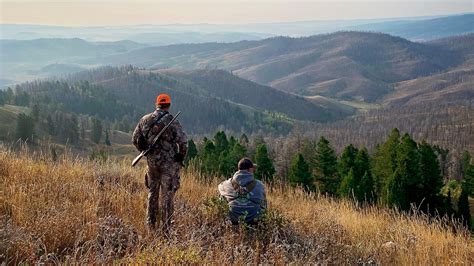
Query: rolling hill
x,y
451,86
209,99
344,65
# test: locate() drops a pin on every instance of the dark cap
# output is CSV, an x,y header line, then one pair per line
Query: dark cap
x,y
245,164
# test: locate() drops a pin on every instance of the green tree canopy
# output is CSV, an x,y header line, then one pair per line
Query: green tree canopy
x,y
325,167
385,161
299,174
96,130
192,151
265,169
25,127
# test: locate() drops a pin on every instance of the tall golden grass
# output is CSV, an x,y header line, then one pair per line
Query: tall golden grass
x,y
80,211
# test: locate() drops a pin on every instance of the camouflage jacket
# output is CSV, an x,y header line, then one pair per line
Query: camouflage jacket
x,y
171,142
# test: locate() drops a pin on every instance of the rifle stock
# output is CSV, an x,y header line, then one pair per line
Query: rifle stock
x,y
145,152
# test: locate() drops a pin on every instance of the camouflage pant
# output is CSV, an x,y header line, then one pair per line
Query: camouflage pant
x,y
164,178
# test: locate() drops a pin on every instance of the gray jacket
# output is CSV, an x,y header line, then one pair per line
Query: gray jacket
x,y
243,203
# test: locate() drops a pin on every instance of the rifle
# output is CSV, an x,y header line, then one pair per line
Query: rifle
x,y
157,137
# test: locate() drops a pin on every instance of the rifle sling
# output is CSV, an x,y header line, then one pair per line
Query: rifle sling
x,y
155,123
250,186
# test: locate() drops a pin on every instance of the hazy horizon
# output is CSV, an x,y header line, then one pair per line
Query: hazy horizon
x,y
185,12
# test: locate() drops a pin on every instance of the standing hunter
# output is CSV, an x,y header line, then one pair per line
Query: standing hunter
x,y
164,161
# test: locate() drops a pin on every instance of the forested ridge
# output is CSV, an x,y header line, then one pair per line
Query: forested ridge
x,y
118,97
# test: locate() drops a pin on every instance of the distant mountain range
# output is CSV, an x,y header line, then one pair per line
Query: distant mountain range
x,y
328,73
413,28
345,65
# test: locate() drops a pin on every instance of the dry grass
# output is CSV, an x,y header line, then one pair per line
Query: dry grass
x,y
78,211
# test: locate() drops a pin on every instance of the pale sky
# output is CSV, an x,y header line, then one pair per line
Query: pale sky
x,y
128,12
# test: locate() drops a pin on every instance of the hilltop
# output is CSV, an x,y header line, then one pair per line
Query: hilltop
x,y
78,211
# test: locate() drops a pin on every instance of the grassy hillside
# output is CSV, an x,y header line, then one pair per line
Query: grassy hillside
x,y
352,65
78,211
224,85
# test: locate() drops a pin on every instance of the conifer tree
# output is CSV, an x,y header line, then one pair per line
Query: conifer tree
x,y
347,187
209,158
361,169
2,98
107,138
463,211
192,151
35,112
96,130
265,169
220,141
431,180
325,166
51,128
347,160
385,162
244,140
395,195
24,127
465,162
299,174
366,188
69,130
404,183
9,96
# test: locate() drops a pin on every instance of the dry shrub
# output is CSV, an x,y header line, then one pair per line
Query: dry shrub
x,y
78,211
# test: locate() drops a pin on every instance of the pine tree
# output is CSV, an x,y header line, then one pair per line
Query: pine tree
x,y
347,160
366,188
192,151
2,98
430,177
107,138
299,174
69,129
25,127
9,96
51,128
405,182
96,130
395,195
244,140
35,112
385,162
469,180
220,141
362,168
325,166
463,211
209,158
265,169
347,187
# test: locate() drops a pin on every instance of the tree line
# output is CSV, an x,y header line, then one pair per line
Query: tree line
x,y
401,173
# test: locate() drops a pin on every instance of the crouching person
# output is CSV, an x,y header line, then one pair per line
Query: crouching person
x,y
244,194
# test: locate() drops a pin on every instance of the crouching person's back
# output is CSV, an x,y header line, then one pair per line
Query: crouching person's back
x,y
244,194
